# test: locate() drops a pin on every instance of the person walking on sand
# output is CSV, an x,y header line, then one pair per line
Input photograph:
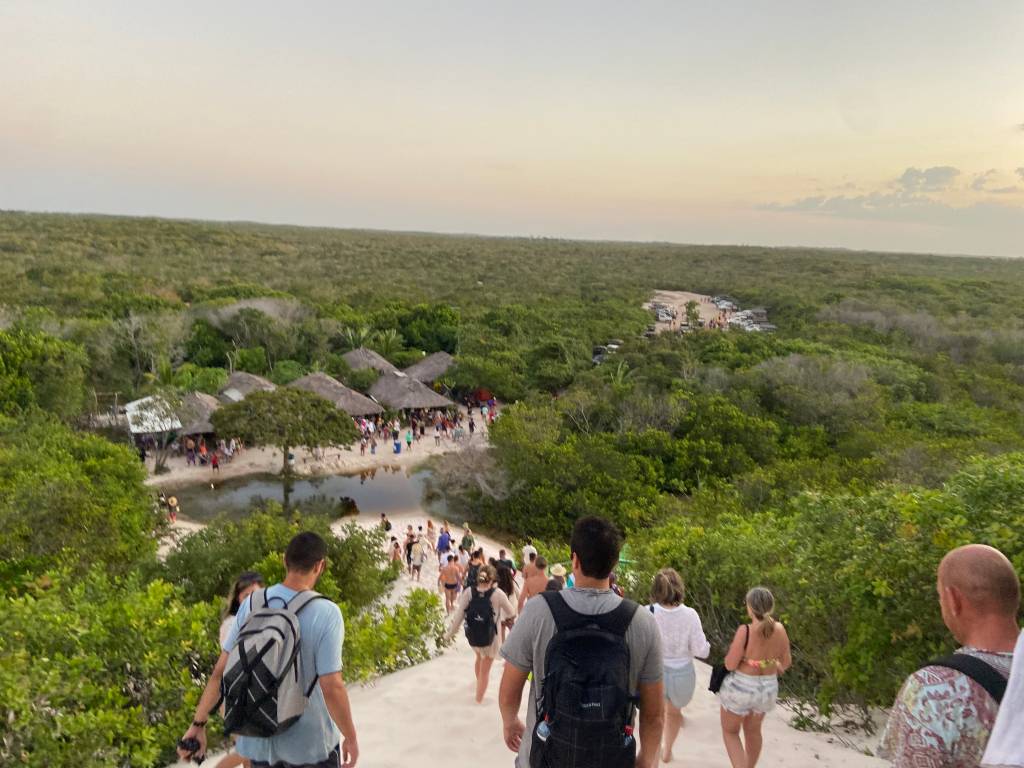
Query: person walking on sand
x,y
468,542
324,733
449,579
529,560
476,562
535,583
506,583
484,607
244,585
396,551
759,653
588,650
444,545
410,539
945,712
682,640
419,556
408,440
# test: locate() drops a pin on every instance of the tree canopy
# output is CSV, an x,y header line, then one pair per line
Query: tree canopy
x,y
286,418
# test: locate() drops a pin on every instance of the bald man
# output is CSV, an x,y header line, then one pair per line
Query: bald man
x,y
943,716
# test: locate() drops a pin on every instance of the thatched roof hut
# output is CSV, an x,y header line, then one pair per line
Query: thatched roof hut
x,y
431,368
196,409
398,391
329,388
151,415
240,384
363,358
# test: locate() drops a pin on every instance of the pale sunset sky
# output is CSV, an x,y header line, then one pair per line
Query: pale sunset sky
x,y
881,125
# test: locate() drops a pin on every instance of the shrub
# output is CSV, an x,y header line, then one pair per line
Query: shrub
x,y
206,562
386,639
97,671
854,575
73,498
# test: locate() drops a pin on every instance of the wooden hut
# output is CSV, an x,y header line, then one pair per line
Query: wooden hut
x,y
363,358
431,368
401,392
240,384
329,388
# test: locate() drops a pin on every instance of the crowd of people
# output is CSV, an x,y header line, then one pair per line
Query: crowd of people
x,y
442,425
610,679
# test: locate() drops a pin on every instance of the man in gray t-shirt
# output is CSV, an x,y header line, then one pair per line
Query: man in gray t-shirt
x,y
595,550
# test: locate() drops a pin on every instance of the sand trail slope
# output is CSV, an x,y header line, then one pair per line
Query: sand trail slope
x,y
426,715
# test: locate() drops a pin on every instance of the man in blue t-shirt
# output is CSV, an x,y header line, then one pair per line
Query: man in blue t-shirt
x,y
313,740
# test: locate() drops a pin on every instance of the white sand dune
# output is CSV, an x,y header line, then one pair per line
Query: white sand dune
x,y
426,715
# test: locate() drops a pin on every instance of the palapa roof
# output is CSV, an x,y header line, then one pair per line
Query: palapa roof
x,y
431,368
196,409
363,358
398,391
151,415
329,388
241,384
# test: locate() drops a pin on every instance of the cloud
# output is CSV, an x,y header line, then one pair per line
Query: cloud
x,y
934,179
913,198
982,179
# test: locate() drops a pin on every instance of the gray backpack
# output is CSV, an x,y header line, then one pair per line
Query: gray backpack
x,y
262,684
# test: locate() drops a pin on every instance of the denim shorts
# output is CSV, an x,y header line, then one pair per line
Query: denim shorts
x,y
680,683
743,694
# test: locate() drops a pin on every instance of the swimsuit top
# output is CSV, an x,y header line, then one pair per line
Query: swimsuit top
x,y
761,663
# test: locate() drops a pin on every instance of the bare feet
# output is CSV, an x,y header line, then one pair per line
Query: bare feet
x,y
666,757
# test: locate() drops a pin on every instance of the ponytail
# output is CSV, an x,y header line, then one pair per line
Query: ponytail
x,y
767,625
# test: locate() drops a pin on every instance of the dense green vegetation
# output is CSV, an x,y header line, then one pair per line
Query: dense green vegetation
x,y
834,461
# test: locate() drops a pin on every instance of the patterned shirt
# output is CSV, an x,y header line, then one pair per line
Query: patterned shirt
x,y
942,718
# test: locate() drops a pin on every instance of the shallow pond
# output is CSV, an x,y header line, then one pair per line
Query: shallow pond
x,y
385,489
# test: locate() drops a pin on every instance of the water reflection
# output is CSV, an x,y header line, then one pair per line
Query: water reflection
x,y
388,489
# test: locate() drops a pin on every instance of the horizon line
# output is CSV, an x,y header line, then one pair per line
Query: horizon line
x,y
482,236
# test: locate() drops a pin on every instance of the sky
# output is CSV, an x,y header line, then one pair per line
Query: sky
x,y
868,125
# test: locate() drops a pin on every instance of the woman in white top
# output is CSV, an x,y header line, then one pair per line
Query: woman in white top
x,y
682,639
244,586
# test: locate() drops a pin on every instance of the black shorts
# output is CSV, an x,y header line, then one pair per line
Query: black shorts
x,y
333,760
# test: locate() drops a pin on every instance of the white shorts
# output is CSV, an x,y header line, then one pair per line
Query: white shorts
x,y
743,694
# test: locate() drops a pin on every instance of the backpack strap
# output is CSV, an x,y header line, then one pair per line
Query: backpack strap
x,y
566,618
980,671
617,621
302,599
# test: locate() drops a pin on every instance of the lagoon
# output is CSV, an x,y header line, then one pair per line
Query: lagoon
x,y
385,489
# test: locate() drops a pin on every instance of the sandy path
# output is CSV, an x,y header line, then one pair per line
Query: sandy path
x,y
397,729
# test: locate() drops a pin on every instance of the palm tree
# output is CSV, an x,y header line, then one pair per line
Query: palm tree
x,y
621,374
358,336
387,342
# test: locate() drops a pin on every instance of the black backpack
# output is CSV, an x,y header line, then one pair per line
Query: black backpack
x,y
471,576
480,624
585,710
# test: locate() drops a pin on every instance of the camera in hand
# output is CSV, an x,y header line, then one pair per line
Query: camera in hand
x,y
192,746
